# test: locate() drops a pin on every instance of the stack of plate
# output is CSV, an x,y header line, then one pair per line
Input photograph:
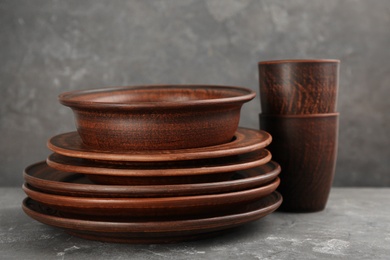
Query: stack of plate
x,y
153,195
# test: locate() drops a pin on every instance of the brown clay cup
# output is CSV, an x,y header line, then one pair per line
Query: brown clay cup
x,y
305,146
294,87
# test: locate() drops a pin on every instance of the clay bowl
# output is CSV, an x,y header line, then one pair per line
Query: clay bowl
x,y
292,87
163,117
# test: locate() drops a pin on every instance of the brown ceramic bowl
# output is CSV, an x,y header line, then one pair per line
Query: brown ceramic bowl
x,y
157,117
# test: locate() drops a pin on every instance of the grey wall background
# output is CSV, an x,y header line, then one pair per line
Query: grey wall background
x,y
48,47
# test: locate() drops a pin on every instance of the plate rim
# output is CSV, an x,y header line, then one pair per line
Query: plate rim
x,y
92,189
263,158
259,140
151,203
156,226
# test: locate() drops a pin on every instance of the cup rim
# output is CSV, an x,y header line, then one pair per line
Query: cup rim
x,y
269,62
336,114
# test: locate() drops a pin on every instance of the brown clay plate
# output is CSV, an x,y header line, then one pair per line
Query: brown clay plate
x,y
50,180
161,230
245,141
158,206
176,168
169,172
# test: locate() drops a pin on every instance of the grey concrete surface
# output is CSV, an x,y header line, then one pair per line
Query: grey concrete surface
x,y
48,47
354,225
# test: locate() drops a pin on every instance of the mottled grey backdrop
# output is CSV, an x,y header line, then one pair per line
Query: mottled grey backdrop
x,y
47,47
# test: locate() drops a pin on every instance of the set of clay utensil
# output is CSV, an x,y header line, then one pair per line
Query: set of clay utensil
x,y
154,164
168,163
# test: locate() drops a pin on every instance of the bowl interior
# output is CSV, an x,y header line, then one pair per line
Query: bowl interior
x,y
155,94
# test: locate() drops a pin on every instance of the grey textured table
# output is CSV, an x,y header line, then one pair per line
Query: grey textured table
x,y
355,225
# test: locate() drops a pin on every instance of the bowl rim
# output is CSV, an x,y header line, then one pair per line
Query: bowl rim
x,y
243,95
